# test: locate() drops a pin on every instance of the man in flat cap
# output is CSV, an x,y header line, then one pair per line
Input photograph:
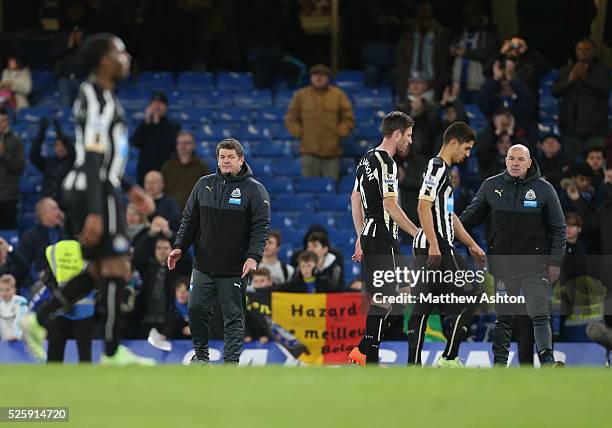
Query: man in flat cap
x,y
320,115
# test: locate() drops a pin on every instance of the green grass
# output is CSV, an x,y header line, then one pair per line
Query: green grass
x,y
176,396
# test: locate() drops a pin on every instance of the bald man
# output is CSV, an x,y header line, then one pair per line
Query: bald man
x,y
165,206
526,244
48,230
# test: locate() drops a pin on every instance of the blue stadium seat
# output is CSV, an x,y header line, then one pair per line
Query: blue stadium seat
x,y
195,114
349,79
291,237
334,202
25,221
271,114
215,99
193,81
274,149
278,185
342,237
261,169
363,114
253,99
297,203
374,98
235,114
155,80
283,98
280,219
347,166
325,219
276,129
289,168
217,132
367,131
234,81
357,148
346,184
11,236
315,185
351,270
344,220
250,131
33,114
30,185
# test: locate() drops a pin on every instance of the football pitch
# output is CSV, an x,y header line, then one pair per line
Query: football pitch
x,y
216,396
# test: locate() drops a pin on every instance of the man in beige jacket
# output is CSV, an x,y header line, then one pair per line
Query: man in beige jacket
x,y
320,115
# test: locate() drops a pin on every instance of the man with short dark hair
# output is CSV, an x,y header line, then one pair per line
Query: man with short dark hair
x,y
227,219
279,271
184,168
12,163
320,115
434,249
526,245
376,217
155,136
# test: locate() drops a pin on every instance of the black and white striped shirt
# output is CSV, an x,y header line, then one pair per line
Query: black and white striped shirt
x,y
437,188
376,179
101,136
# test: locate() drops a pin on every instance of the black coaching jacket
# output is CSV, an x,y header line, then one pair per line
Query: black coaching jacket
x,y
227,219
526,220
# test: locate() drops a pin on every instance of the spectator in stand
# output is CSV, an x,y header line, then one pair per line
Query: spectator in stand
x,y
12,309
424,111
553,163
579,198
524,64
583,86
12,263
423,47
11,166
495,162
54,168
155,136
16,83
320,115
471,48
137,222
48,231
328,265
144,243
595,158
502,91
462,196
410,169
165,206
177,318
70,72
157,290
183,169
258,297
307,279
280,272
603,224
311,229
450,110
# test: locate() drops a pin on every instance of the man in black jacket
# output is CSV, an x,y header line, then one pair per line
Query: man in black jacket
x,y
527,233
227,218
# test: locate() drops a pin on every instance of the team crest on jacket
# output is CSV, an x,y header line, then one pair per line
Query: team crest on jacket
x,y
236,193
530,195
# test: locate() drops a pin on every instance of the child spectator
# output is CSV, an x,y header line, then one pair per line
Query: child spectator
x,y
281,272
596,158
259,306
307,279
328,265
177,319
16,83
553,163
12,309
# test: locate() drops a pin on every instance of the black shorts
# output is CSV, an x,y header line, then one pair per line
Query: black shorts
x,y
114,240
380,253
436,283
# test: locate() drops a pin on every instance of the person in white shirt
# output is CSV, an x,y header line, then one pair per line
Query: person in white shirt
x,y
281,272
12,308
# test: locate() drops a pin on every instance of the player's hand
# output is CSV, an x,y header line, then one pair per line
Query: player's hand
x,y
435,257
174,256
479,255
186,331
358,256
144,203
249,265
553,273
92,230
572,192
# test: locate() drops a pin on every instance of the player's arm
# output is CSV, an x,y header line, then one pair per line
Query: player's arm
x,y
426,220
466,239
357,212
427,195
